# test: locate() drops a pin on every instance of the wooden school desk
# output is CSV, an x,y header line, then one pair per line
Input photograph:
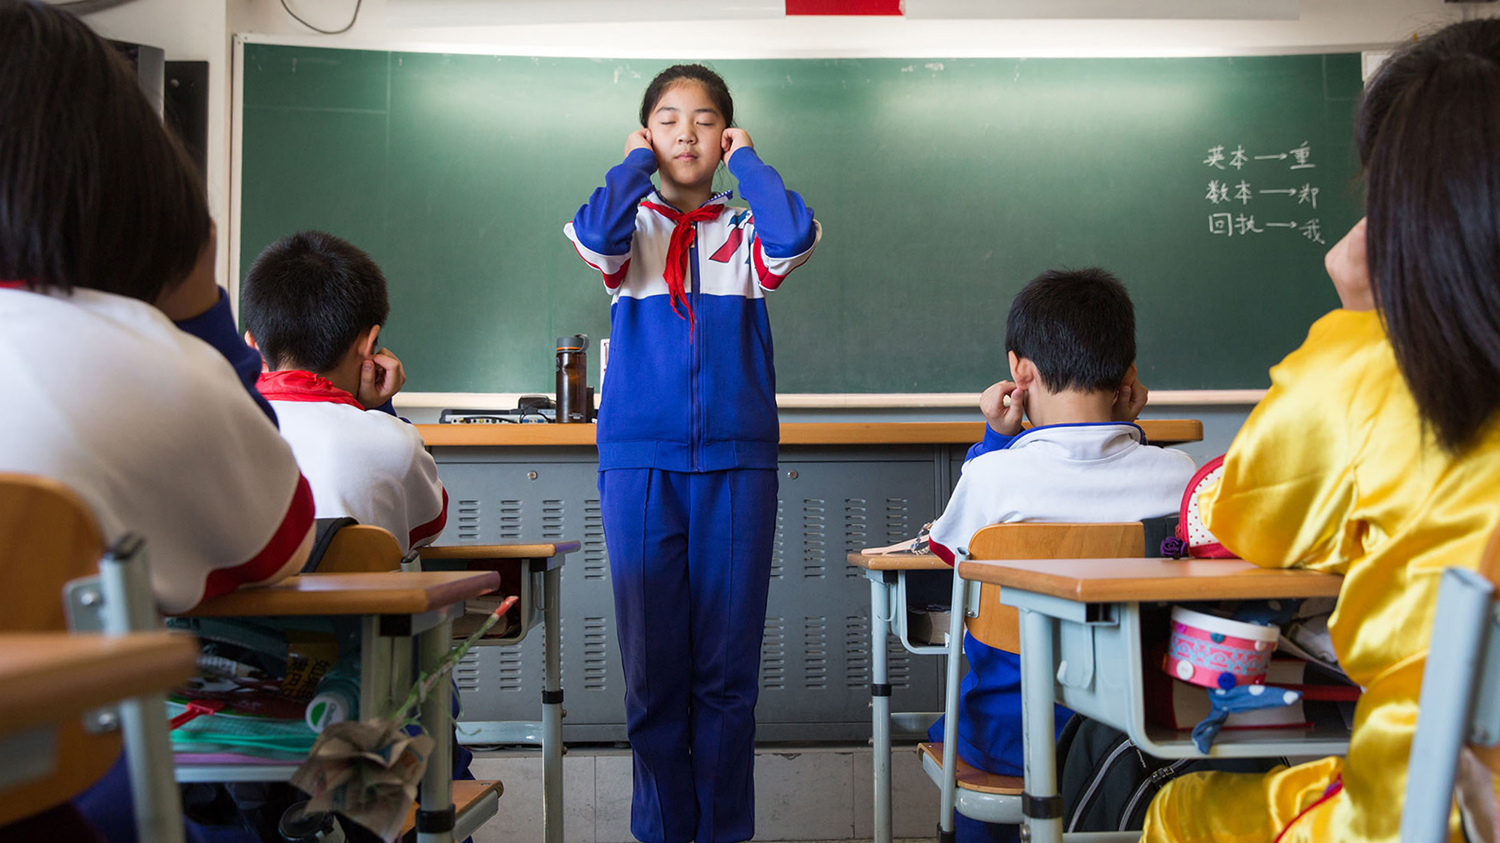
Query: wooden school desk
x,y
47,677
395,609
512,482
1158,432
536,570
1081,645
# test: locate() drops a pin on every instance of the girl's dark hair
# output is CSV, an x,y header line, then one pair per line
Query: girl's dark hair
x,y
1428,133
711,82
94,192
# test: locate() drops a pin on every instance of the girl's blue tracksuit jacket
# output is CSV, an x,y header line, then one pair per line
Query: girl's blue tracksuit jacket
x,y
688,437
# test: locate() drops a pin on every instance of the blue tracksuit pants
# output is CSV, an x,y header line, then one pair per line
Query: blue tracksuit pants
x,y
690,559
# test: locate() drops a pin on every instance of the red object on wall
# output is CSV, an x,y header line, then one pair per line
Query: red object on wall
x,y
843,7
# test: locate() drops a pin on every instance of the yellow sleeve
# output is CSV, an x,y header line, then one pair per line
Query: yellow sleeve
x,y
1288,487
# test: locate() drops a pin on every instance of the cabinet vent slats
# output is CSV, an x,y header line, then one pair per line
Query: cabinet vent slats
x,y
815,666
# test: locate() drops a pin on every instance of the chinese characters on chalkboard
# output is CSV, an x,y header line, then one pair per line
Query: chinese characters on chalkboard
x,y
1283,196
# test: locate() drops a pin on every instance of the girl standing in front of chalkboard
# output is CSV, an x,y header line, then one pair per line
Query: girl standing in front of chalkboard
x,y
688,438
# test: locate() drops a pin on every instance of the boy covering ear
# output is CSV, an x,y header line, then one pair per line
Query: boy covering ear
x,y
313,305
1070,339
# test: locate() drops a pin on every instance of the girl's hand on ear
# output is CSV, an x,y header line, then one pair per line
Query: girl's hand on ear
x,y
1130,398
1348,266
1003,405
638,139
380,378
733,141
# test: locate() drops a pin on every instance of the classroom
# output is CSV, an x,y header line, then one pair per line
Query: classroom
x,y
885,581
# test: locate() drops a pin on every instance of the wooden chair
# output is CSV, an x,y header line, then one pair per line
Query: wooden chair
x,y
49,538
1456,748
361,549
984,796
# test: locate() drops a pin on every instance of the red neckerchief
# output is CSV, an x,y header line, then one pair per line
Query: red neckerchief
x,y
683,234
297,385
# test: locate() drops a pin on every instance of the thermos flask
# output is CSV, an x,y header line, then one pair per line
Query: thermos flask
x,y
572,379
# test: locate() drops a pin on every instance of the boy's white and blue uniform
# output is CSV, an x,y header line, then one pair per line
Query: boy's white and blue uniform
x,y
1087,472
688,437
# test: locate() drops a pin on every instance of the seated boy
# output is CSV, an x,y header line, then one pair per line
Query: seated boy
x,y
1070,339
313,305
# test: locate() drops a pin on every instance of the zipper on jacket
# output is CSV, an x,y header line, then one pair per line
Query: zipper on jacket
x,y
1086,801
695,347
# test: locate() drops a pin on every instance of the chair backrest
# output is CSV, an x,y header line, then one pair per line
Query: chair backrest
x,y
359,549
999,626
1489,568
1475,782
48,537
1459,709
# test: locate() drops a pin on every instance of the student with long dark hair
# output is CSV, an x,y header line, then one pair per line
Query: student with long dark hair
x,y
1376,453
105,242
688,438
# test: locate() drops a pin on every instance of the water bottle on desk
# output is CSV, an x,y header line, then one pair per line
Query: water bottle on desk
x,y
572,379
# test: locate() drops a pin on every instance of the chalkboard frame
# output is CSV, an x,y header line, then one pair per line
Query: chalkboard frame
x,y
812,400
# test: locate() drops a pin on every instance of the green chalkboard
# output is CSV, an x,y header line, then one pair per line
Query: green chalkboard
x,y
943,185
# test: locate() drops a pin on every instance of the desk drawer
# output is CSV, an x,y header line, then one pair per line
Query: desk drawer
x,y
1111,641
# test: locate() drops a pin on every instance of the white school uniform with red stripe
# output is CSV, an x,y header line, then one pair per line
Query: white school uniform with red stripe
x,y
153,429
364,464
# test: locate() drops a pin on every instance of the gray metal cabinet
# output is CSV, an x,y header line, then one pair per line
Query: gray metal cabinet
x,y
815,665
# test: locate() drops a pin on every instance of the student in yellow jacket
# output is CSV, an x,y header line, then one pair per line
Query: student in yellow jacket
x,y
1376,453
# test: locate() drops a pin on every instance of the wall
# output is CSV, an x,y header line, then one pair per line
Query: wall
x,y
1322,24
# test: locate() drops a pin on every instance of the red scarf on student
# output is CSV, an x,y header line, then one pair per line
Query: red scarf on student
x,y
683,235
297,385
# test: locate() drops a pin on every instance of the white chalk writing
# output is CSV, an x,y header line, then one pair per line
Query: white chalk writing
x,y
1222,156
1312,231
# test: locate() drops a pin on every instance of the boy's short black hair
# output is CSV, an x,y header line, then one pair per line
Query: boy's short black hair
x,y
94,191
1077,326
307,298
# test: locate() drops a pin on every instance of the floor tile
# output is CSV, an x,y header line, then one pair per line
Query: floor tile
x,y
612,787
804,795
520,816
914,798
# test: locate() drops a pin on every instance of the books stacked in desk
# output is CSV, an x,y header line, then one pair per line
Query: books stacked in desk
x,y
1327,698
